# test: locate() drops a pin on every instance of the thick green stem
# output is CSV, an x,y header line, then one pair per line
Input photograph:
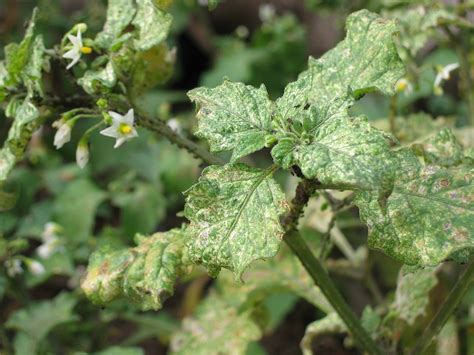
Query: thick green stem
x,y
322,279
316,270
446,310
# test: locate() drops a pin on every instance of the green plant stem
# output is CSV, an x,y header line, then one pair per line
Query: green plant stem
x,y
446,310
163,129
315,269
322,279
392,115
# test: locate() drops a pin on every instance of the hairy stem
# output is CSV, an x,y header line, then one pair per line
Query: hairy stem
x,y
316,270
446,310
162,128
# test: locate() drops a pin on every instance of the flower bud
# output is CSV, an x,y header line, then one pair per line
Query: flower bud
x,y
82,154
63,135
102,103
82,27
35,267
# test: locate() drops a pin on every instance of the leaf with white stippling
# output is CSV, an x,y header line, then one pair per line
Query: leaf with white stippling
x,y
428,217
367,60
234,212
145,274
233,116
338,150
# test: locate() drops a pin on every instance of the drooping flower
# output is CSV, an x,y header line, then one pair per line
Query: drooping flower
x,y
35,267
122,128
77,49
444,73
82,154
174,125
51,242
63,134
13,267
266,12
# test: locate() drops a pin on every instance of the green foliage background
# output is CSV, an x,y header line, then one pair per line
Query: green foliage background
x,y
125,208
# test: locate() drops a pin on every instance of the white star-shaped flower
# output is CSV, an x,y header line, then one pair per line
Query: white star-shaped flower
x,y
122,128
444,74
77,49
403,85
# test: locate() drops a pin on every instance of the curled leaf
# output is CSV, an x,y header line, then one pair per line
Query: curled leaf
x,y
145,274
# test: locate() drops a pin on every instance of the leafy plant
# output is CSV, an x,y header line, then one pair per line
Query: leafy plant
x,y
412,185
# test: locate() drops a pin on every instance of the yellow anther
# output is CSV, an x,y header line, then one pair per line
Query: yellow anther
x,y
86,50
125,128
402,85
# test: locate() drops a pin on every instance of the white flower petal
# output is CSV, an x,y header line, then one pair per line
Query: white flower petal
x,y
451,67
82,155
111,131
116,117
120,141
74,61
36,268
438,79
46,250
62,136
129,117
71,54
74,40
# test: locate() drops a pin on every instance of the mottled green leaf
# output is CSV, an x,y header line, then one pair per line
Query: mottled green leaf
x,y
216,328
32,72
443,149
233,116
412,294
17,55
3,75
338,150
95,81
153,25
416,126
24,62
418,24
234,212
428,217
119,15
75,208
283,273
145,274
331,323
212,4
27,119
151,67
35,322
366,60
370,320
